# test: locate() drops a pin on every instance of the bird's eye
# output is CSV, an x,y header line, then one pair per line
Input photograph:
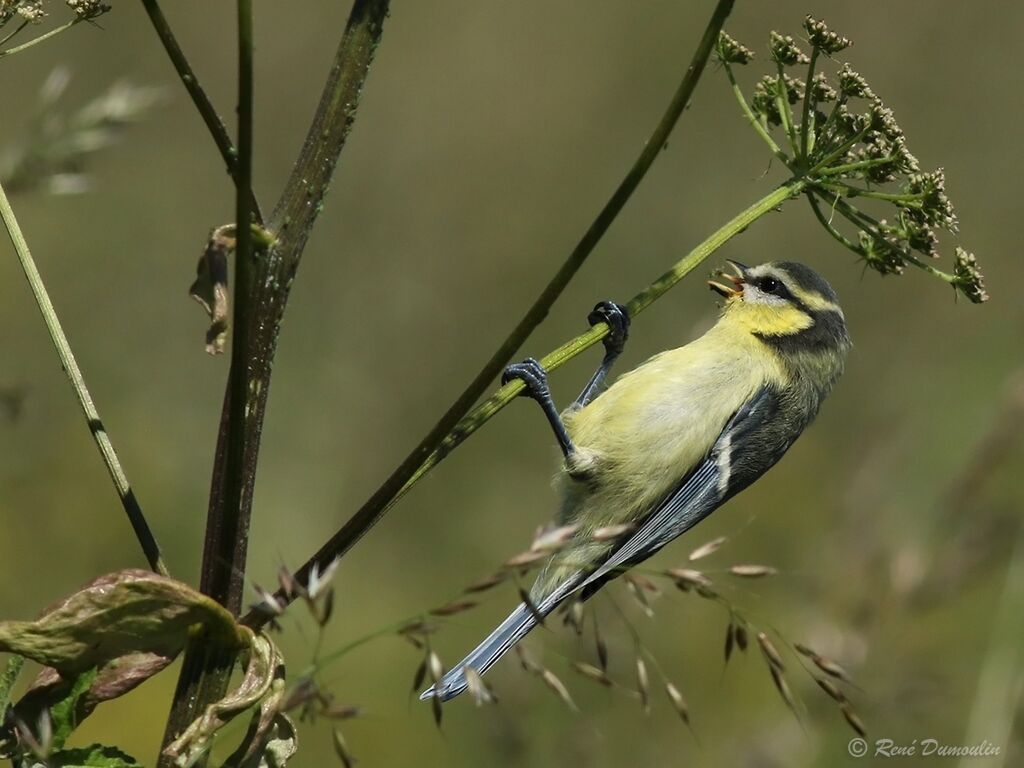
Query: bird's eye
x,y
770,285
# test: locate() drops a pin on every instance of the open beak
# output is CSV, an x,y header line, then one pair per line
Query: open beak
x,y
737,281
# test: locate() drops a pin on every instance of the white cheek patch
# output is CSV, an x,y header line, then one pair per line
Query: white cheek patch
x,y
754,295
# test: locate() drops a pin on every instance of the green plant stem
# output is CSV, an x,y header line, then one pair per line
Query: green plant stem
x,y
201,101
807,133
371,512
861,165
840,150
860,219
14,34
352,530
782,104
67,358
752,118
46,36
907,198
829,227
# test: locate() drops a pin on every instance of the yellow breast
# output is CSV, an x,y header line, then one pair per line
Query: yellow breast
x,y
657,422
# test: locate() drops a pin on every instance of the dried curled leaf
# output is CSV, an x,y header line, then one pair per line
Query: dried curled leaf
x,y
210,288
125,612
263,685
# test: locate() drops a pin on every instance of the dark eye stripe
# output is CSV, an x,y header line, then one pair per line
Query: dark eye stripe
x,y
774,286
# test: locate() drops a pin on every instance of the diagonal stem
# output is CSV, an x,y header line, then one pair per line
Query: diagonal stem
x,y
199,98
353,530
371,512
67,358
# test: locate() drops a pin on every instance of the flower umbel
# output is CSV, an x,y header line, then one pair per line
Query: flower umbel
x,y
846,146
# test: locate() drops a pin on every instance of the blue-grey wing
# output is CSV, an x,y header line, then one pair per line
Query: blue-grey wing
x,y
752,440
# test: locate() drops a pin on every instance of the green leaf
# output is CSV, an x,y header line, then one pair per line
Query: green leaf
x,y
93,756
128,611
64,714
7,680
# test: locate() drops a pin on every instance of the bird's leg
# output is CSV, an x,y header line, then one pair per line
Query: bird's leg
x,y
617,318
533,375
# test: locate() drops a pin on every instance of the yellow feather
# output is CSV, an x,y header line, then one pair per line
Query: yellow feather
x,y
652,426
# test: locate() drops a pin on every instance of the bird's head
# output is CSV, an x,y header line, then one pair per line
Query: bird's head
x,y
785,304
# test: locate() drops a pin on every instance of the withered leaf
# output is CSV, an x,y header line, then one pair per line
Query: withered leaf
x,y
262,684
210,288
129,611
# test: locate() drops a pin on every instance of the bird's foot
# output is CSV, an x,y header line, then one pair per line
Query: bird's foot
x,y
533,375
616,316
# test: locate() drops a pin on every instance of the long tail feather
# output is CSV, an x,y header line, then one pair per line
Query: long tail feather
x,y
498,643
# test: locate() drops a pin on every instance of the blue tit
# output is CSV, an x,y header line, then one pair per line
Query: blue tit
x,y
671,441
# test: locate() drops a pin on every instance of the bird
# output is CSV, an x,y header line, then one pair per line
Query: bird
x,y
675,438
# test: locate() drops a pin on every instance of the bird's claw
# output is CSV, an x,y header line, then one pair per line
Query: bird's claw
x,y
532,374
616,316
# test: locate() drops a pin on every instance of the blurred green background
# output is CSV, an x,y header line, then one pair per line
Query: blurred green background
x,y
490,133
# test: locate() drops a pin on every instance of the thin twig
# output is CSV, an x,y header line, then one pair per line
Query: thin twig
x,y
752,118
199,98
353,530
60,342
46,36
371,512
